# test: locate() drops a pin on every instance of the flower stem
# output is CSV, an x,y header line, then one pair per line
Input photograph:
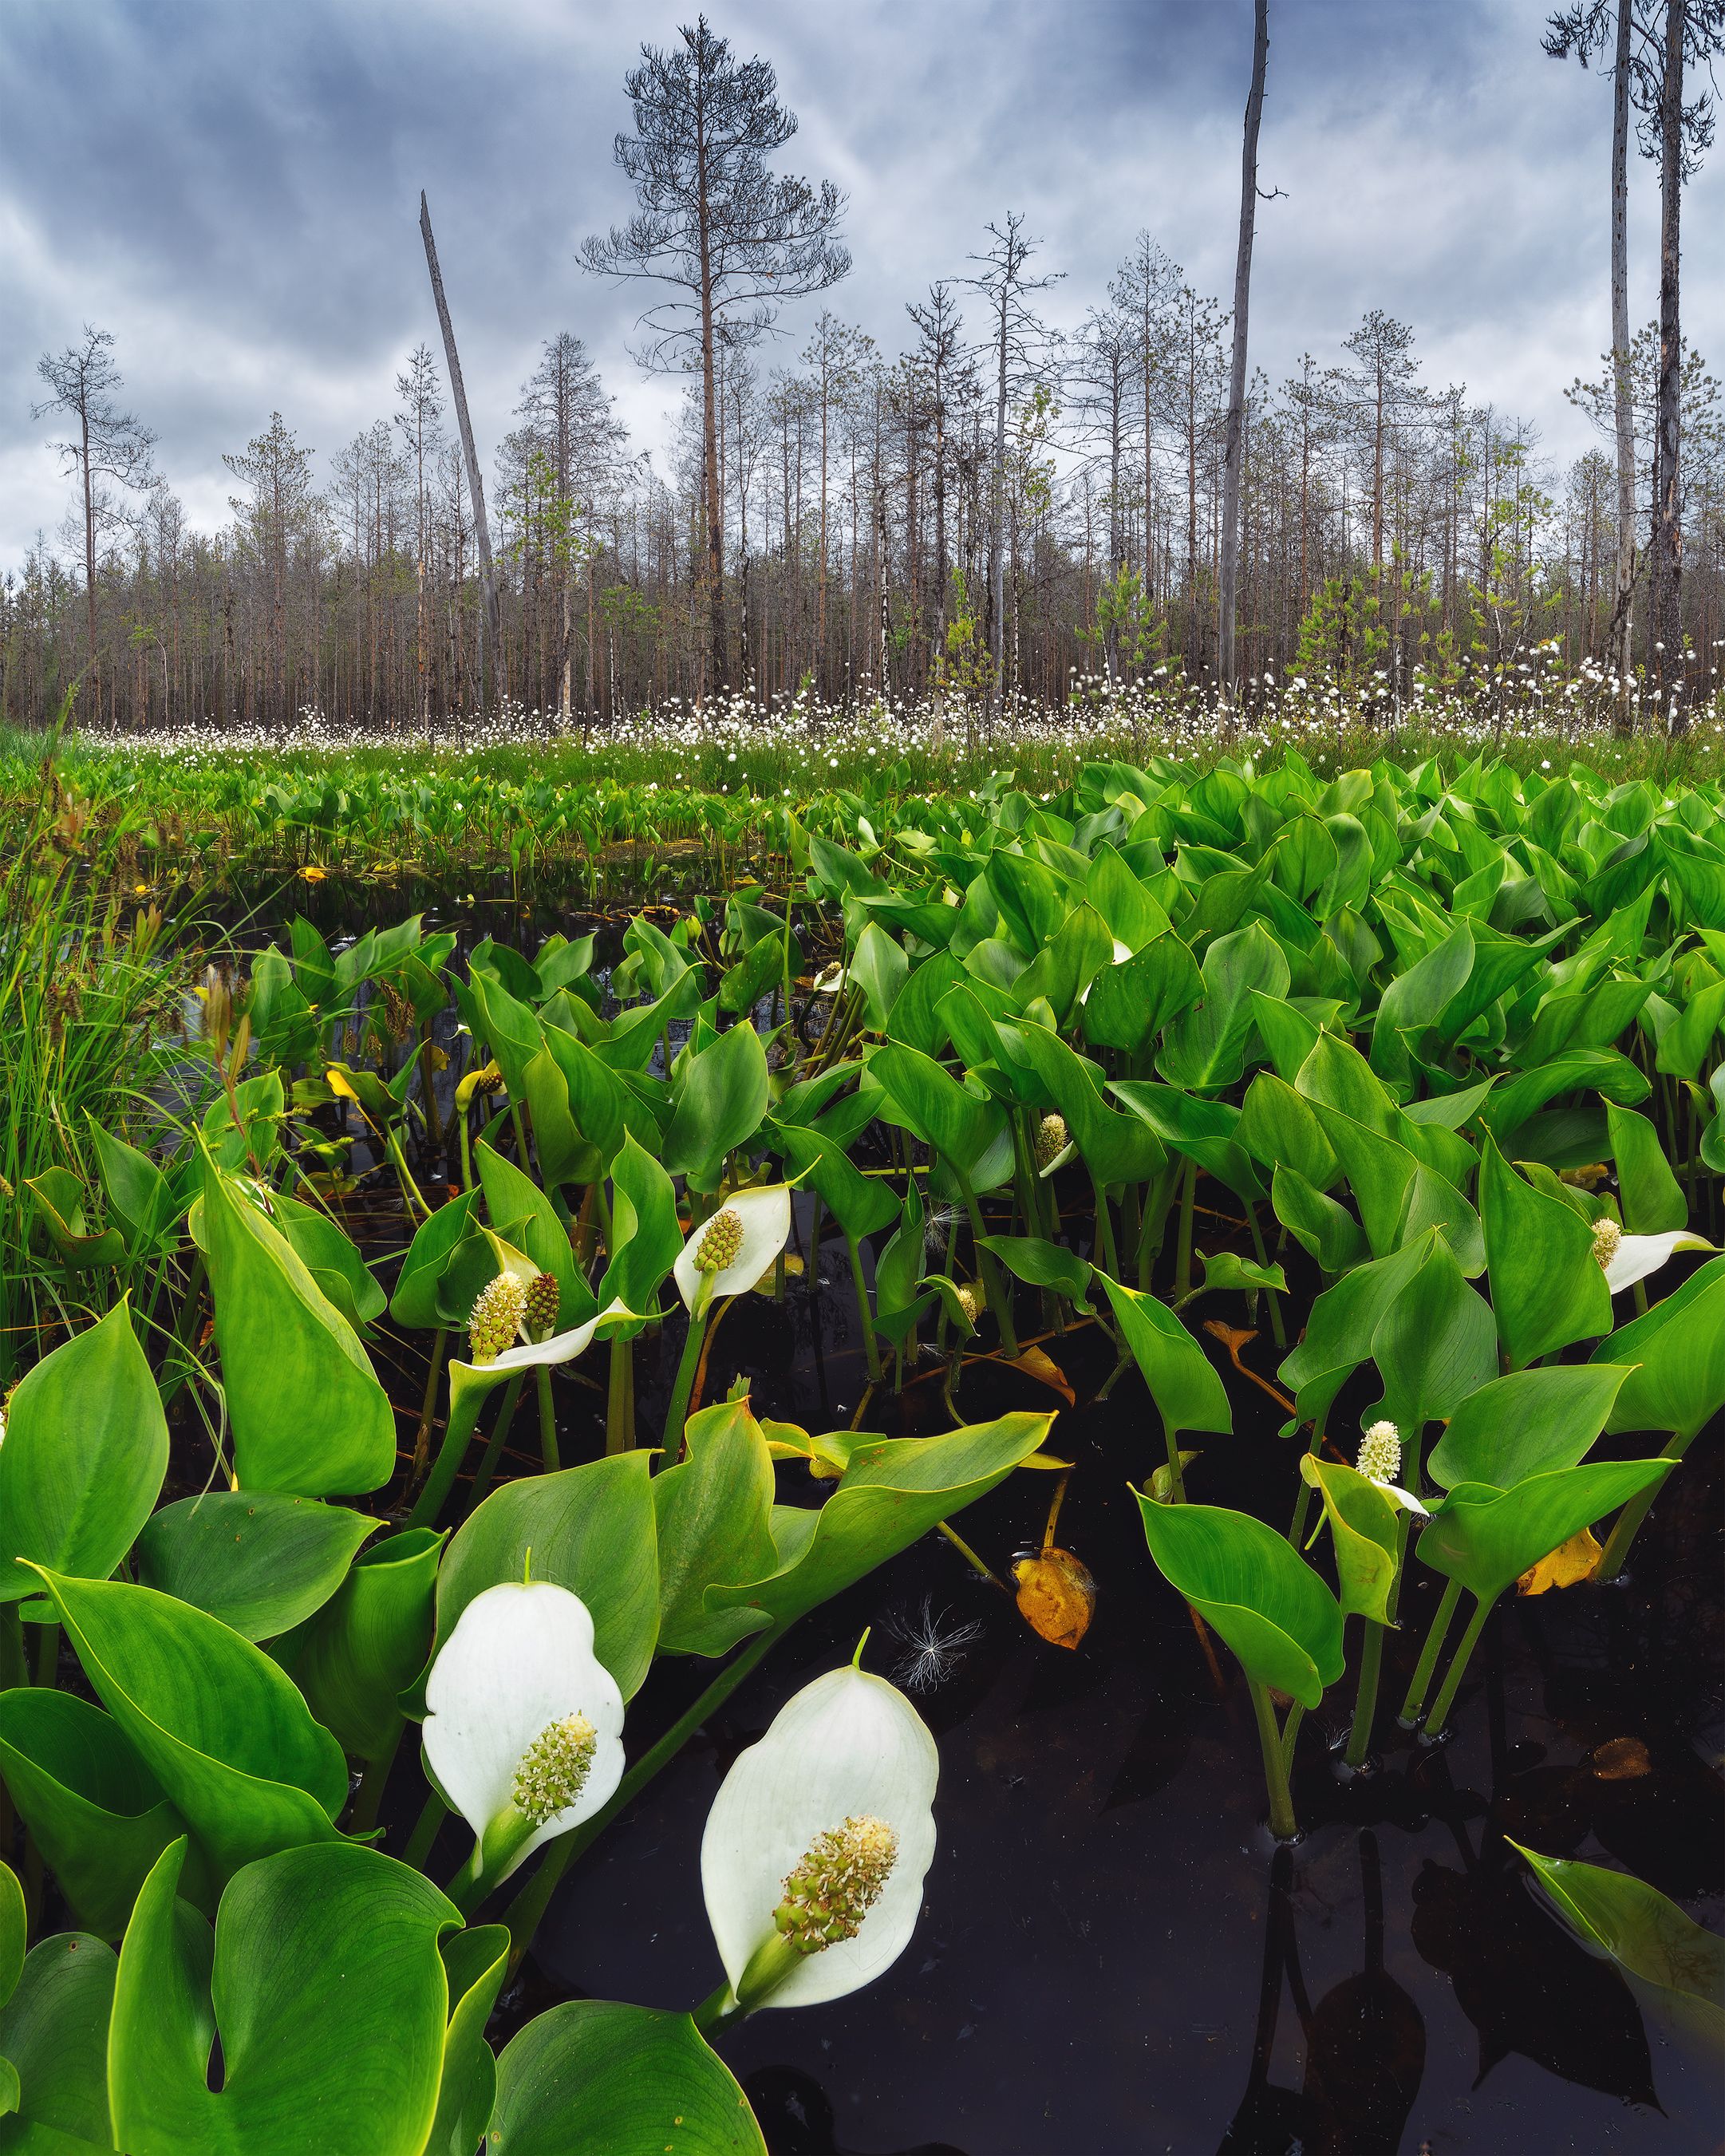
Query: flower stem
x,y
1282,1824
715,2010
457,1430
1365,1704
870,1346
547,1421
1182,1263
619,1424
1433,1648
999,1296
1302,1503
425,1831
1441,1705
1615,1554
500,1435
677,1412
524,1913
427,1405
1176,1477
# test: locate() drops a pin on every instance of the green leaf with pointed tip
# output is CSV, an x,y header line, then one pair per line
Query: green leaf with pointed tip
x,y
432,1256
880,968
260,1562
1339,1330
714,1509
591,2077
225,1733
721,1097
330,1256
84,1455
1365,1531
1226,1270
1548,1288
1205,1049
1042,1264
1280,1129
861,1204
1263,1597
1434,1345
139,1195
525,1217
1067,963
892,1492
14,1930
369,1642
1325,1230
1679,1345
643,1224
1200,1129
1488,1539
54,2031
1674,1966
1115,1147
1187,1394
939,1111
1652,1199
323,1984
474,1964
1129,1003
588,1528
307,1412
1398,1195
96,1811
1526,1424
58,1199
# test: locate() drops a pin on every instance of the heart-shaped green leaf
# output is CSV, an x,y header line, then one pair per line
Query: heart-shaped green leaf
x,y
1548,1288
1526,1424
1187,1394
369,1641
1680,1347
260,1562
594,2078
1487,1538
54,2031
326,1989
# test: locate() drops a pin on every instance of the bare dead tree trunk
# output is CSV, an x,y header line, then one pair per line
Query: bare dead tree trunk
x,y
1668,531
1624,410
1235,457
489,623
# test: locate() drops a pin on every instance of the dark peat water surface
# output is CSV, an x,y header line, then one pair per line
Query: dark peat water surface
x,y
1112,1954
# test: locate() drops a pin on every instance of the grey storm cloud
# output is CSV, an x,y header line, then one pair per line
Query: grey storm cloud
x,y
233,190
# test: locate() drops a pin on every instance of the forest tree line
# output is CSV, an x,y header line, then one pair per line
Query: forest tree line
x,y
994,512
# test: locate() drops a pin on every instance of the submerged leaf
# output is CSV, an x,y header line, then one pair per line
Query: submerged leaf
x,y
1056,1596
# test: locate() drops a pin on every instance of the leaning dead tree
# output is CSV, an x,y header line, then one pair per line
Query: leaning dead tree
x,y
1235,460
491,635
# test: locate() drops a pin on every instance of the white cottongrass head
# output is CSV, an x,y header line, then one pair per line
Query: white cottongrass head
x,y
818,1841
727,1253
524,1723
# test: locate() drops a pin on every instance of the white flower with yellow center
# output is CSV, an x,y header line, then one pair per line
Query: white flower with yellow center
x,y
524,1724
817,1843
729,1253
1626,1259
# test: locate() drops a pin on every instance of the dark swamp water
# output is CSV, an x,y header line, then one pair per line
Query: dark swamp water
x,y
1112,1953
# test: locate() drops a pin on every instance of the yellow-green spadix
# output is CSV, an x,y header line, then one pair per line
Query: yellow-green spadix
x,y
524,1723
728,1253
817,1843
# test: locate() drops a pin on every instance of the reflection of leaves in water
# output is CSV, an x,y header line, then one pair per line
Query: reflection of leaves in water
x,y
1365,2044
796,2115
1526,1987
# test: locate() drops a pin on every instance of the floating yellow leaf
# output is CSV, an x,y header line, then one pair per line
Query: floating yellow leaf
x,y
1567,1566
1057,1596
312,874
1033,1363
1619,1760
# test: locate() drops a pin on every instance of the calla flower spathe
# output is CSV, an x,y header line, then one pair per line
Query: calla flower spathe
x,y
833,1810
1626,1259
1379,1459
524,1724
727,1253
560,1347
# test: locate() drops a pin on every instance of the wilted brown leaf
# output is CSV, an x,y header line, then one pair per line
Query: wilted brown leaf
x,y
1033,1363
1057,1596
1620,1759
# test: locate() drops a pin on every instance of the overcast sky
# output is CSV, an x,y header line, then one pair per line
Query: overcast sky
x,y
232,187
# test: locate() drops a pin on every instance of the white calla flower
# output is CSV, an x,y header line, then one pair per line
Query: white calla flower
x,y
728,1253
524,1723
817,1843
1379,1459
560,1348
1626,1259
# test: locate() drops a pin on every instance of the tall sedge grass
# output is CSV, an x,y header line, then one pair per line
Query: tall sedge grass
x,y
87,991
